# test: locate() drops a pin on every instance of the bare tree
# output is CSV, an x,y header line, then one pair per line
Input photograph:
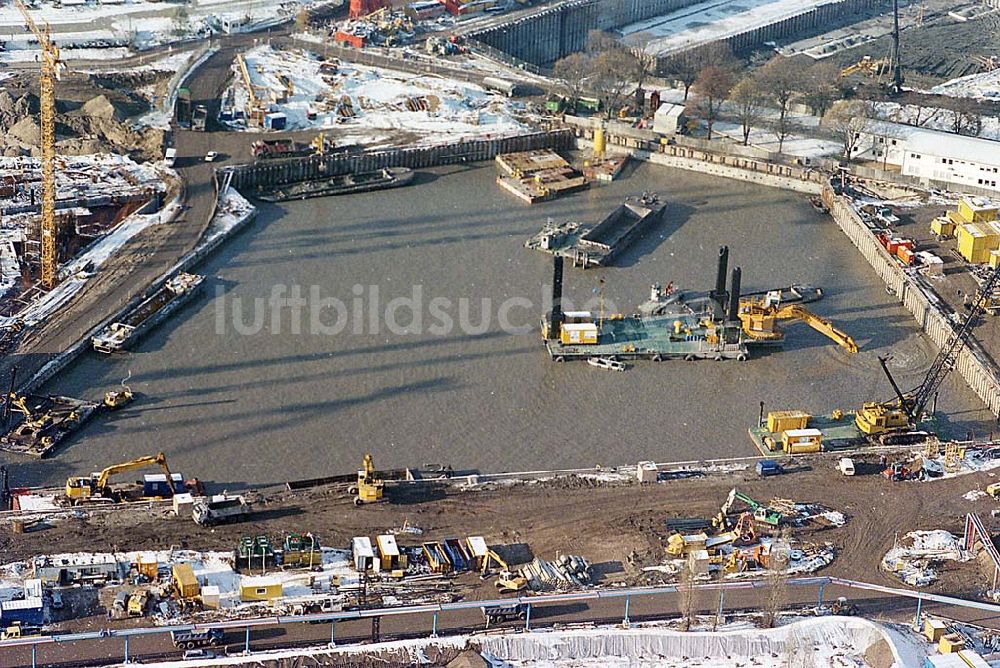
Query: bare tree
x,y
821,87
848,120
711,88
781,78
687,66
965,116
775,596
687,598
749,100
610,79
571,72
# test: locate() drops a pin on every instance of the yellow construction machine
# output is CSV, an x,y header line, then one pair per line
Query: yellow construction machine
x,y
872,67
370,487
760,320
893,422
115,399
95,486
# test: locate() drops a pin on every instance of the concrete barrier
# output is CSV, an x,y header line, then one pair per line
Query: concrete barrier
x,y
276,172
777,177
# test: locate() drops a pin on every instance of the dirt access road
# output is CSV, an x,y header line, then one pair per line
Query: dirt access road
x,y
604,522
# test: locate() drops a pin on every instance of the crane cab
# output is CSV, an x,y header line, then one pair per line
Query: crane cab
x,y
80,488
875,418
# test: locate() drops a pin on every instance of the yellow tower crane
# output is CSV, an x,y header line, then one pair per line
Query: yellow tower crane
x,y
50,70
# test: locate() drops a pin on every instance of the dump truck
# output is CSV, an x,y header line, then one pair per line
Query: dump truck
x,y
219,508
494,614
196,638
17,630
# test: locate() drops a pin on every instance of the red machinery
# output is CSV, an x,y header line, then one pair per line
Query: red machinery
x,y
362,8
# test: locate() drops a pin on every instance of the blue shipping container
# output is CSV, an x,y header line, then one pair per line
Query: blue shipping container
x,y
28,611
768,467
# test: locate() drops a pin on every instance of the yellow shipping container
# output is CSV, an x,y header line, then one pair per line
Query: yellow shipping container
x,y
934,629
995,258
956,217
260,589
977,209
975,241
779,421
799,441
578,333
185,582
953,642
943,227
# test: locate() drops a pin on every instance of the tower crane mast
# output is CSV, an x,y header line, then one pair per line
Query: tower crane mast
x,y
50,71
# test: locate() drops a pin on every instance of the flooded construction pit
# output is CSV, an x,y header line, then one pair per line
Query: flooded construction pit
x,y
238,389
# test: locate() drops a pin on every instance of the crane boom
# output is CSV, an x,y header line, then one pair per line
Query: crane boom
x,y
821,325
948,356
158,460
50,70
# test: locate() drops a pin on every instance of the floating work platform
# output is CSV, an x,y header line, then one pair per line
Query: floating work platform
x,y
46,421
537,176
605,169
177,291
838,432
655,338
598,246
346,184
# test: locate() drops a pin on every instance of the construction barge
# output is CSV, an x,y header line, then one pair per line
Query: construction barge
x,y
538,176
46,421
346,184
599,245
674,324
174,293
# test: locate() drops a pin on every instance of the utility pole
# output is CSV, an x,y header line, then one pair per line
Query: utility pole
x,y
897,67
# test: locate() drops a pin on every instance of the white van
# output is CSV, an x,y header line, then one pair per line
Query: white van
x,y
846,466
170,156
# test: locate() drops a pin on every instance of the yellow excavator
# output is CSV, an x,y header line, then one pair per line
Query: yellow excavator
x,y
94,487
760,322
370,487
872,67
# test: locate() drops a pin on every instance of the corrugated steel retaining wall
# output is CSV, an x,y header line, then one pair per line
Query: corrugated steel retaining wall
x,y
276,172
978,370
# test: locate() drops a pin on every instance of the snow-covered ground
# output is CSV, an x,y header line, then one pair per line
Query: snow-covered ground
x,y
932,118
834,642
913,557
133,24
384,102
710,21
795,144
984,85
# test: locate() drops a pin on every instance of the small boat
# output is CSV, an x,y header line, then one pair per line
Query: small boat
x,y
345,184
606,363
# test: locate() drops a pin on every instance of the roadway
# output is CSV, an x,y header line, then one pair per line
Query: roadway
x,y
586,609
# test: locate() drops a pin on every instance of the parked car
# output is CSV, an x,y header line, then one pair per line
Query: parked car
x,y
766,467
846,466
199,654
211,156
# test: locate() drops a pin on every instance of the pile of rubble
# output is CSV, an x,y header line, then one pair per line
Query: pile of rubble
x,y
98,126
914,556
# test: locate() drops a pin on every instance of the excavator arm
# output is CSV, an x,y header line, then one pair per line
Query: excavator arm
x,y
159,460
821,325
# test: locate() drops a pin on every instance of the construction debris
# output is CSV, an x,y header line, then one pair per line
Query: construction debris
x,y
915,555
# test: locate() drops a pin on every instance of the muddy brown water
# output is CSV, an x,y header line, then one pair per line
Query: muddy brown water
x,y
241,407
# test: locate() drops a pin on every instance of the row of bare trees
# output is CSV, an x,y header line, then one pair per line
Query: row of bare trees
x,y
606,67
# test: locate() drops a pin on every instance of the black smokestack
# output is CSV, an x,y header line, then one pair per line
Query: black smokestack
x,y
719,294
556,318
720,274
734,295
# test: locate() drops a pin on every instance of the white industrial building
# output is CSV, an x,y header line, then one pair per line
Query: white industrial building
x,y
932,155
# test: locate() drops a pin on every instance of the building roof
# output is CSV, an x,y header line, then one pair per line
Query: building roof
x,y
957,147
362,546
387,545
30,603
669,109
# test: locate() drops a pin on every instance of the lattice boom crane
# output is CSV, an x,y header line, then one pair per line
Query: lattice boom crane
x,y
50,71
